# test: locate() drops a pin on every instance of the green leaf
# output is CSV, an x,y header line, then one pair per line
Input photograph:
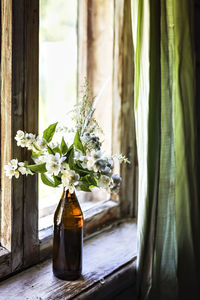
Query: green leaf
x,y
56,150
69,151
50,150
49,132
34,158
57,180
36,154
84,187
71,159
41,168
77,143
63,146
92,186
36,147
90,180
46,180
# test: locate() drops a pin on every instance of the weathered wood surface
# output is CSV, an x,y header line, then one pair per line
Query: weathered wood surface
x,y
82,41
19,110
99,216
6,113
31,94
123,128
111,288
103,255
5,262
12,84
16,124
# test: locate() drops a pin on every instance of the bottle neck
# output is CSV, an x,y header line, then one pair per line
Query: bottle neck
x,y
67,195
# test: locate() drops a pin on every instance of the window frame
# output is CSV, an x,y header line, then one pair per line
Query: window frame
x,y
19,101
19,110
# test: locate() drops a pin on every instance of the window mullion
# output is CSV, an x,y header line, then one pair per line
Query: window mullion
x,y
31,112
19,110
11,120
123,136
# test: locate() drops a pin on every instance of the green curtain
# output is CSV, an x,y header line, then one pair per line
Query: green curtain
x,y
169,202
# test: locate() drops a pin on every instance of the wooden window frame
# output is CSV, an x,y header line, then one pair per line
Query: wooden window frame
x,y
19,101
21,245
123,140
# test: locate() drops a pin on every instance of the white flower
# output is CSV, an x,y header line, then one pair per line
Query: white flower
x,y
41,143
21,143
10,171
53,168
96,154
64,166
65,180
29,138
50,158
69,178
90,163
74,176
8,167
78,155
84,162
41,159
14,163
55,158
16,174
104,182
22,170
54,163
19,135
71,189
61,159
11,168
71,175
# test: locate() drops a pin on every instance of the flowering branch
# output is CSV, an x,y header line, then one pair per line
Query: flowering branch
x,y
81,166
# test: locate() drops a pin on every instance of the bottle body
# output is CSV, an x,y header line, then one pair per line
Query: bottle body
x,y
68,238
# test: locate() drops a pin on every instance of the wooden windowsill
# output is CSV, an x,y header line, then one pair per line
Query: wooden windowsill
x,y
108,258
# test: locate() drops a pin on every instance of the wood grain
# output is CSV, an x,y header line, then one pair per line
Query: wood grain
x,y
103,255
5,262
31,241
6,129
123,126
82,42
19,110
11,121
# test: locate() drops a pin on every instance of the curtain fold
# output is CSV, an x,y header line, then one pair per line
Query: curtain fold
x,y
168,204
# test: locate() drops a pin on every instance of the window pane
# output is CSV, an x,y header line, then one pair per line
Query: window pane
x,y
58,79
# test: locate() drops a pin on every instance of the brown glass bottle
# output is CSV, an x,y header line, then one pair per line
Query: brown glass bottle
x,y
68,238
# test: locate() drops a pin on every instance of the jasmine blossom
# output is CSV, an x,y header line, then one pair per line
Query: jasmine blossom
x,y
79,165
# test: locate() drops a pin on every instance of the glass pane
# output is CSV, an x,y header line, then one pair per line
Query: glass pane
x,y
57,81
